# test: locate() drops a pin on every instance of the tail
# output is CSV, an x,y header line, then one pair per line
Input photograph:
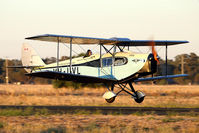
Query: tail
x,y
29,57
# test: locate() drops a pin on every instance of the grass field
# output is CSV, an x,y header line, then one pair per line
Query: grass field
x,y
157,96
99,124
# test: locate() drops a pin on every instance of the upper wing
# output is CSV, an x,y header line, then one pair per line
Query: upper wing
x,y
111,41
75,39
146,43
70,77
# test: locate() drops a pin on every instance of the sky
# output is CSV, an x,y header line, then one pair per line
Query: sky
x,y
134,19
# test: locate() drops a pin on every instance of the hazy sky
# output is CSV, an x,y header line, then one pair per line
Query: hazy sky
x,y
134,19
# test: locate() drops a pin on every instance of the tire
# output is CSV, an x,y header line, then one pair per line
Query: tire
x,y
110,100
141,99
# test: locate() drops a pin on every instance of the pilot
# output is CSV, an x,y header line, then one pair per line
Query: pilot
x,y
88,53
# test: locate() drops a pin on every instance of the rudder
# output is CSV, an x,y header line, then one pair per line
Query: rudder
x,y
29,57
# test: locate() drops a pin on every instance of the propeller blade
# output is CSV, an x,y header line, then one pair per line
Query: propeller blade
x,y
152,44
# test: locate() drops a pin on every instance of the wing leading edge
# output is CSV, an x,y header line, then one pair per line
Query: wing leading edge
x,y
111,41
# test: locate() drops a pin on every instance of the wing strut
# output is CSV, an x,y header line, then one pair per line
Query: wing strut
x,y
58,54
107,51
113,59
100,56
70,55
166,52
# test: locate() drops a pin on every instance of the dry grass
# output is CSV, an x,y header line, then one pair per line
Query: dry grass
x,y
101,123
157,96
163,96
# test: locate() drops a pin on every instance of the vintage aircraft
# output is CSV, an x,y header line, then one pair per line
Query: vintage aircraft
x,y
117,68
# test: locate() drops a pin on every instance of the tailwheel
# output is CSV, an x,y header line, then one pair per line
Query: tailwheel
x,y
139,98
110,100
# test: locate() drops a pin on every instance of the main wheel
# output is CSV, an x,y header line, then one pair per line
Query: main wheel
x,y
139,96
139,100
110,100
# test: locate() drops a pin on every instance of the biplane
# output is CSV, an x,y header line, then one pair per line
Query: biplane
x,y
116,68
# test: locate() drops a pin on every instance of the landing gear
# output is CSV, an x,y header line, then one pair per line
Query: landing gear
x,y
110,96
139,97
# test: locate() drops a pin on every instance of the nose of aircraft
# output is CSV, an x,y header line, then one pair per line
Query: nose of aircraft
x,y
153,62
153,50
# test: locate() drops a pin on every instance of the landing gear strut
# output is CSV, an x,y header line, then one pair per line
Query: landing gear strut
x,y
110,96
139,96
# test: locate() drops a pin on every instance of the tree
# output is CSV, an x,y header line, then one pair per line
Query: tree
x,y
191,67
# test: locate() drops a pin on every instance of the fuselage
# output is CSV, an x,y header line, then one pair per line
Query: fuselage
x,y
126,66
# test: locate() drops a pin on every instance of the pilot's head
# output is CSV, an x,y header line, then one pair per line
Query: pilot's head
x,y
89,52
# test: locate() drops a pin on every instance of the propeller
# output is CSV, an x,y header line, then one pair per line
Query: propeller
x,y
154,52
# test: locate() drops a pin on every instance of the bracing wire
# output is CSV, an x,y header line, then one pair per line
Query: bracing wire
x,y
72,50
82,48
157,50
138,49
69,48
95,48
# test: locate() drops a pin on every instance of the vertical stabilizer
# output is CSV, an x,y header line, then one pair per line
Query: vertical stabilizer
x,y
29,57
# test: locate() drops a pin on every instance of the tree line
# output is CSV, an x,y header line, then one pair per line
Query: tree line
x,y
190,64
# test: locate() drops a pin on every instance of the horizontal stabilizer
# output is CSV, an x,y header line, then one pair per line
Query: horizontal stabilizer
x,y
160,77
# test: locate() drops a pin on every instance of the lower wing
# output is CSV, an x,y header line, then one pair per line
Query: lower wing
x,y
160,77
90,79
70,77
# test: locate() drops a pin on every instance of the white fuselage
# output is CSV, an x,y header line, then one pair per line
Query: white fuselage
x,y
125,65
